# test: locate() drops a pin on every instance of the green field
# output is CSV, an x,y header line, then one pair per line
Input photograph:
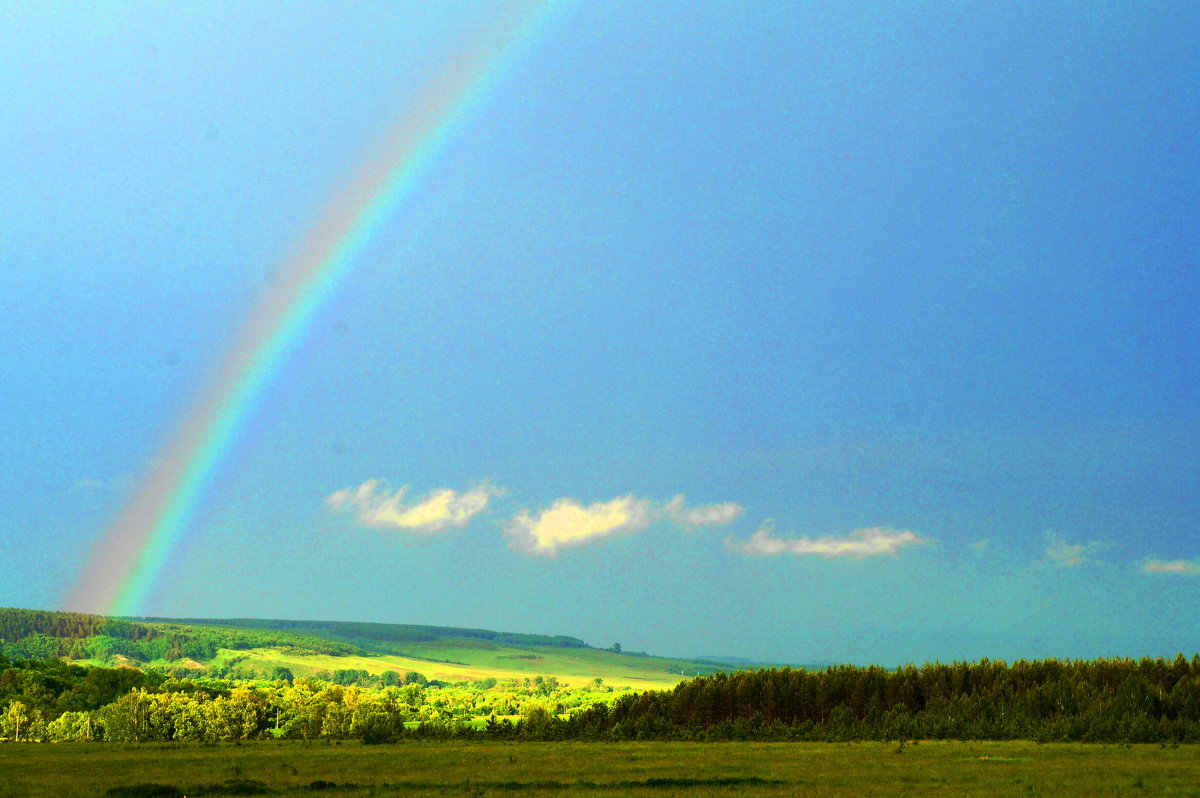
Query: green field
x,y
457,661
639,769
254,648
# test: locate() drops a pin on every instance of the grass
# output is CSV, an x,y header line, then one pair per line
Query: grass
x,y
659,770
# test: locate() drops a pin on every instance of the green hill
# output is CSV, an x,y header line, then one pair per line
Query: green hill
x,y
259,648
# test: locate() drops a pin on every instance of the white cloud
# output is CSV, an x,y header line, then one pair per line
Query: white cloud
x,y
1153,565
435,512
568,523
857,545
703,515
356,496
1069,555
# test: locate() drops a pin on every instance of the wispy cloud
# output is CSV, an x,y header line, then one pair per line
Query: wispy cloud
x,y
1063,554
981,545
435,512
568,523
702,515
857,545
1153,565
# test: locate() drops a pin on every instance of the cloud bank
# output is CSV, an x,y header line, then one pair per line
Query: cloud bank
x,y
1153,565
568,523
857,545
438,511
1070,555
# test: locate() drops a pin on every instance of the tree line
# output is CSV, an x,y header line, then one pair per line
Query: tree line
x,y
1105,700
37,634
58,701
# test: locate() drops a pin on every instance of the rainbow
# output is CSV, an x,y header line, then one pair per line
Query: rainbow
x,y
126,562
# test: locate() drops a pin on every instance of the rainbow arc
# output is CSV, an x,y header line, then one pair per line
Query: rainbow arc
x,y
126,562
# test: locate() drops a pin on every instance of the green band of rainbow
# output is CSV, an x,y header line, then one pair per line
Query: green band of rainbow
x,y
126,563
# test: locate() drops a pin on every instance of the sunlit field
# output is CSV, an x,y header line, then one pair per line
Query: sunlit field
x,y
455,661
651,769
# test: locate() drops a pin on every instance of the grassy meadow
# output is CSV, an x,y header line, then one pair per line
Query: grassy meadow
x,y
458,661
650,769
250,648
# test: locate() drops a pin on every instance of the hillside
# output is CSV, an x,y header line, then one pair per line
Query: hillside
x,y
259,648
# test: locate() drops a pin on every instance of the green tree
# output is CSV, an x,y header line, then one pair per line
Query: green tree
x,y
16,721
189,719
537,721
70,727
239,716
127,720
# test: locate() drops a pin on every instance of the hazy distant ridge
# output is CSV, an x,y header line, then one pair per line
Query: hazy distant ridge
x,y
388,632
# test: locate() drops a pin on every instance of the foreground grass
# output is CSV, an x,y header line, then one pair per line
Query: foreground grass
x,y
655,770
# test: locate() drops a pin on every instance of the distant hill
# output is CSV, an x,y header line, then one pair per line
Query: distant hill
x,y
253,647
369,633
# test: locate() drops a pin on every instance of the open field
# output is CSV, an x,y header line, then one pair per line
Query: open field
x,y
648,769
250,648
451,661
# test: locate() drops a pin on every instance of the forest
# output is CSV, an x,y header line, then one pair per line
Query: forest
x,y
1104,700
74,635
41,633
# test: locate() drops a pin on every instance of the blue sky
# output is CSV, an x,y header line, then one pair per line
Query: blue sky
x,y
900,298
